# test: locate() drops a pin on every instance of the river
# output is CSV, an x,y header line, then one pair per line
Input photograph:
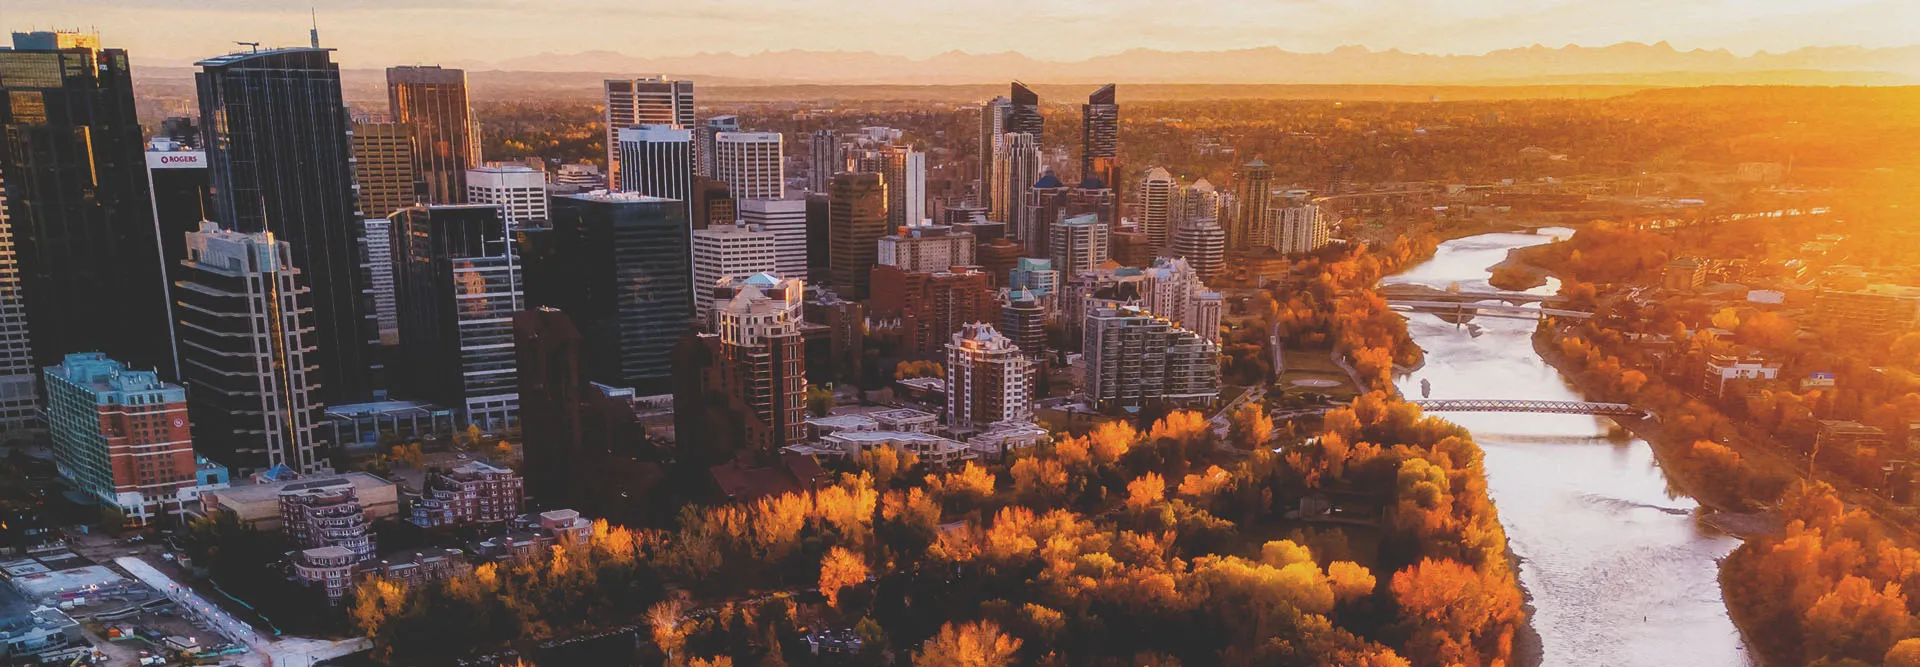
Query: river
x,y
1619,571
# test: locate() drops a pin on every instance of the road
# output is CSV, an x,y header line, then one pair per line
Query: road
x,y
266,652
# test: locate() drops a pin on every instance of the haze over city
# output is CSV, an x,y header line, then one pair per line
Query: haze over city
x,y
489,32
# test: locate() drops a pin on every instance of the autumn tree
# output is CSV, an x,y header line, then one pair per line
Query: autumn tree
x,y
1250,427
840,569
974,644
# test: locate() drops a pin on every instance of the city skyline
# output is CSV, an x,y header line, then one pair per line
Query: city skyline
x,y
379,34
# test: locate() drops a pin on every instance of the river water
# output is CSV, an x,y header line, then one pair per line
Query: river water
x,y
1619,571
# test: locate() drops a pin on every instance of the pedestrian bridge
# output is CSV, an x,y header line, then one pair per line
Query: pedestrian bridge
x,y
1487,309
1537,407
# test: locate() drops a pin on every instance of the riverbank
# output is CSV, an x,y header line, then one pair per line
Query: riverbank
x,y
1727,516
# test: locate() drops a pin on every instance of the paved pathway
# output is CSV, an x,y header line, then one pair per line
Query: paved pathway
x,y
266,652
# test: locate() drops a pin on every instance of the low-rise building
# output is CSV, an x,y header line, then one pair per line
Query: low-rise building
x,y
905,420
1721,369
324,513
529,536
258,506
43,636
1002,437
1877,311
936,452
470,493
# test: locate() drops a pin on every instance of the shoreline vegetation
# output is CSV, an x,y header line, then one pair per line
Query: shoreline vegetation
x,y
1822,576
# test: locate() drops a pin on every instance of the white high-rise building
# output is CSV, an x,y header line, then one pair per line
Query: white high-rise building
x,y
1173,290
989,380
19,380
1133,358
750,163
1157,201
926,249
1080,244
376,261
1298,228
723,253
787,220
906,171
520,192
646,101
1195,202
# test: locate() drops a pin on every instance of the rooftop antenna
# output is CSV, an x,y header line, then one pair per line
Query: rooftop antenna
x,y
314,34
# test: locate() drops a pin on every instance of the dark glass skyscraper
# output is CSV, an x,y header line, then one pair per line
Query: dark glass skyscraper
x,y
74,165
1024,114
617,263
432,101
1100,137
456,289
278,140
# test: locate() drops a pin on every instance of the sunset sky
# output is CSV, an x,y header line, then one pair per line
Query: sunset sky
x,y
377,32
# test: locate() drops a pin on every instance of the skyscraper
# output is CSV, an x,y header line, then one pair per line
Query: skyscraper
x,y
519,191
456,286
646,101
1023,318
758,320
823,153
376,267
1173,290
19,378
721,254
657,161
1196,201
1254,194
1298,227
1079,244
74,168
383,168
989,380
1157,204
1018,172
750,163
931,305
993,137
279,150
177,178
1204,245
787,220
244,341
857,218
432,101
906,186
1135,359
926,248
618,264
1100,137
703,141
1023,115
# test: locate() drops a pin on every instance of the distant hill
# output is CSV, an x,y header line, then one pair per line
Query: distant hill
x,y
1619,64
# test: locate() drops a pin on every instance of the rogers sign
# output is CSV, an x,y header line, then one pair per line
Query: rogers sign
x,y
176,159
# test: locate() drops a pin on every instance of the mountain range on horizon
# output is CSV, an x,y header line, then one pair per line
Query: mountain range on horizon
x,y
1614,64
